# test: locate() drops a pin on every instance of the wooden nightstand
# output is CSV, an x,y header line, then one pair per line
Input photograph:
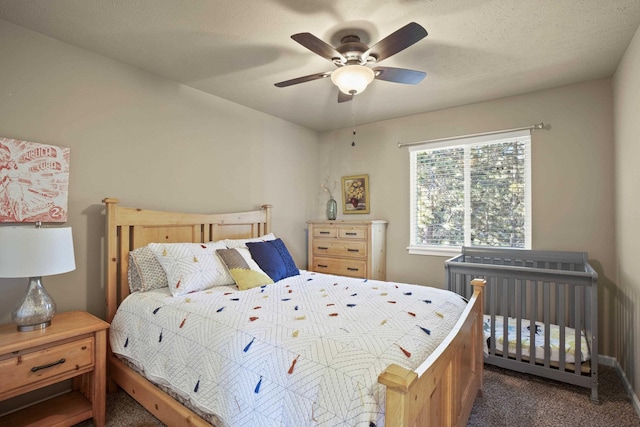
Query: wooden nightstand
x,y
74,346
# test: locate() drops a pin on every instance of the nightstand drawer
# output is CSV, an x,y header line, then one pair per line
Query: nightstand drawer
x,y
340,267
59,362
340,248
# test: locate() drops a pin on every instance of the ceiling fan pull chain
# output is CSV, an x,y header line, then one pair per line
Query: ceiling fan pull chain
x,y
353,121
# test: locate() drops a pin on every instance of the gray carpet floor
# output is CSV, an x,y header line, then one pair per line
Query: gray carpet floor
x,y
514,399
508,399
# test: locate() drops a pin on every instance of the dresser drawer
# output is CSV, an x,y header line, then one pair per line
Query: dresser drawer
x,y
355,232
58,361
331,232
340,267
341,248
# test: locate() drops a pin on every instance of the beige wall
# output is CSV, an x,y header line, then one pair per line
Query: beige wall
x,y
572,164
626,84
148,141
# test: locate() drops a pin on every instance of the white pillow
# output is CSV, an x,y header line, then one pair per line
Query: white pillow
x,y
191,267
242,243
145,272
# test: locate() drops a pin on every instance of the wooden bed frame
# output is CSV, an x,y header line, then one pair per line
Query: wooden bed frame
x,y
440,392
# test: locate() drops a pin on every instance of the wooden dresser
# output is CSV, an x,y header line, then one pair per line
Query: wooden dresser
x,y
348,248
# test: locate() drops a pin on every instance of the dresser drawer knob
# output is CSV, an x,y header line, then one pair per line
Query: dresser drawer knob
x,y
352,269
353,250
351,234
324,232
322,248
322,266
50,365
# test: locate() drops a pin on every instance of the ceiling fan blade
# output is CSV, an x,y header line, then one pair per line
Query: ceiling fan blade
x,y
399,75
343,97
303,79
318,47
396,41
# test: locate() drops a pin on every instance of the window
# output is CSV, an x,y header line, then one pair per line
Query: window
x,y
472,192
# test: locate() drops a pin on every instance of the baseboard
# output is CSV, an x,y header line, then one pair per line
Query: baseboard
x,y
608,361
613,363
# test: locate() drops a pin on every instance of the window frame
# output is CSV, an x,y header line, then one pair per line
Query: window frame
x,y
494,138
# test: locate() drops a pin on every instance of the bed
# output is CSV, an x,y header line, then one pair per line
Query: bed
x,y
438,390
541,311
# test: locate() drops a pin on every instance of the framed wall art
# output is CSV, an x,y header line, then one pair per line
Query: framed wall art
x,y
355,194
34,182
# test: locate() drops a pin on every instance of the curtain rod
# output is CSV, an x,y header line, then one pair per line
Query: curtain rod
x,y
531,127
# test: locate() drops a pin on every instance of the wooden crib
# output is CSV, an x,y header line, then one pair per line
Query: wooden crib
x,y
556,290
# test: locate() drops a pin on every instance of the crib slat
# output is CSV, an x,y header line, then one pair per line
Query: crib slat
x,y
517,291
504,311
547,323
592,291
532,319
492,311
578,330
561,325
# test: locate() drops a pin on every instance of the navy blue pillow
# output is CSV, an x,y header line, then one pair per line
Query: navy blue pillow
x,y
273,258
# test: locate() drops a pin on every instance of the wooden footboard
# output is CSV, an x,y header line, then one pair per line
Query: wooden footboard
x,y
441,391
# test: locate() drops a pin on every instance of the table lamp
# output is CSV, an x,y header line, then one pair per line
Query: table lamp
x,y
34,252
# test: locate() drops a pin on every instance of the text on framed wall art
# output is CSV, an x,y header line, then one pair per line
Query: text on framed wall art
x,y
34,181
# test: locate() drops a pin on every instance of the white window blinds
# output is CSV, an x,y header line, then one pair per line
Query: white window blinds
x,y
471,191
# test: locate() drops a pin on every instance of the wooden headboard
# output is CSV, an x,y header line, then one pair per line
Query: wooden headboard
x,y
131,228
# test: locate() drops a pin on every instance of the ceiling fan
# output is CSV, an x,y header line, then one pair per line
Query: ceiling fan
x,y
354,60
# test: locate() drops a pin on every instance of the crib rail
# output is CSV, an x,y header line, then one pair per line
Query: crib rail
x,y
538,291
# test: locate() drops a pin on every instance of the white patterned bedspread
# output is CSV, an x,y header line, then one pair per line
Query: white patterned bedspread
x,y
304,351
539,339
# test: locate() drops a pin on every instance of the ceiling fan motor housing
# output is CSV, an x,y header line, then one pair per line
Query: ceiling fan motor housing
x,y
352,49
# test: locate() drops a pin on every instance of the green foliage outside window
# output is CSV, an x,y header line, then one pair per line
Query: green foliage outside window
x,y
485,182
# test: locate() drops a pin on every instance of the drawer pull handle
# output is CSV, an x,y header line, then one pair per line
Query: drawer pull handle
x,y
351,234
353,250
322,266
322,248
50,365
352,269
325,232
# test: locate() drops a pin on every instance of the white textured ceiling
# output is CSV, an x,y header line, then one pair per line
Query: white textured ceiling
x,y
476,49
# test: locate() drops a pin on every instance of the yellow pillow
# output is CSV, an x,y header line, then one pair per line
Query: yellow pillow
x,y
243,269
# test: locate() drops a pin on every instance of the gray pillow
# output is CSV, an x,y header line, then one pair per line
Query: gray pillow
x,y
145,272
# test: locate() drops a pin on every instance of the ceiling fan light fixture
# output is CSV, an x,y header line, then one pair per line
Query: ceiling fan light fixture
x,y
352,79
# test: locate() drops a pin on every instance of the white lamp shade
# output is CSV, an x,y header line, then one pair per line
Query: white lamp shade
x,y
352,79
34,252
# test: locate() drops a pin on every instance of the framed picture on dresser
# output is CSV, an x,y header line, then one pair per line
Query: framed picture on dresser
x,y
355,194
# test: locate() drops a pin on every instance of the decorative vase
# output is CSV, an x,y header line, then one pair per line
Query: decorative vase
x,y
332,208
354,202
